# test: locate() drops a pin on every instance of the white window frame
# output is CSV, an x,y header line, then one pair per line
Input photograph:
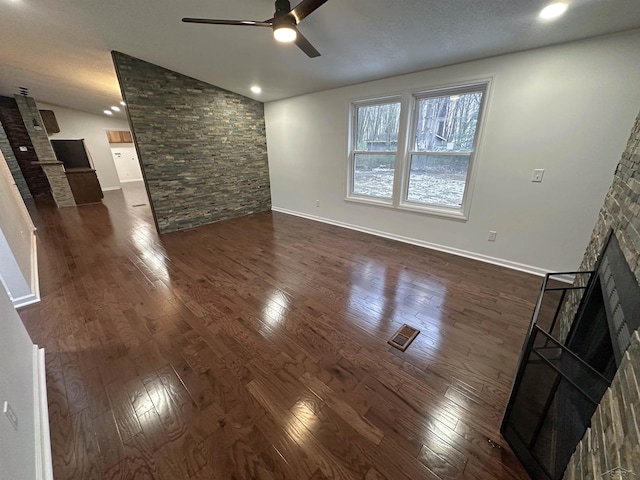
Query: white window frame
x,y
353,133
406,144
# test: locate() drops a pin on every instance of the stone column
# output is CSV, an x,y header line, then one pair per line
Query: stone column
x,y
53,169
60,188
12,162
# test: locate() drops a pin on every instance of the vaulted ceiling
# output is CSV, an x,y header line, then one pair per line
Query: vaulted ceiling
x,y
60,49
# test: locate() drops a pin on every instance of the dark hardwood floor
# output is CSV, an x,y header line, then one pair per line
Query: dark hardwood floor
x,y
256,349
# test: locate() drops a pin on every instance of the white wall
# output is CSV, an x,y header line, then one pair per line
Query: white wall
x,y
11,277
18,252
18,453
125,159
568,109
75,125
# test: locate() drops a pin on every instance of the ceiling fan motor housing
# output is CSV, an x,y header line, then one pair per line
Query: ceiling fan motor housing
x,y
283,20
283,16
283,7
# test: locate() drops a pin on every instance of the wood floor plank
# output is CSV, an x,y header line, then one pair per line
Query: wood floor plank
x,y
257,348
300,432
289,457
343,409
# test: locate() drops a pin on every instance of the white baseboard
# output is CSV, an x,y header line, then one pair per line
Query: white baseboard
x,y
108,189
433,246
25,300
131,181
44,464
35,278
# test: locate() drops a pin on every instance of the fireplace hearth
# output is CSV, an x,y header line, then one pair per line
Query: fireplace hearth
x,y
560,383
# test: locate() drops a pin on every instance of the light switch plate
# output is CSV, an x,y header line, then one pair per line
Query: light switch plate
x,y
11,415
538,173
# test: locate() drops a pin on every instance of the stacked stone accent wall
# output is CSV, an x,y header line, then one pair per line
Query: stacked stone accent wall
x,y
19,137
203,149
613,441
53,169
12,163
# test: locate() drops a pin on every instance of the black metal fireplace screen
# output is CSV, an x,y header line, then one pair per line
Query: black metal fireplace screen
x,y
554,395
559,384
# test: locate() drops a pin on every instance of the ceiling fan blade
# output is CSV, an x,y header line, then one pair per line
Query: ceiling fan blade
x,y
240,23
305,7
303,44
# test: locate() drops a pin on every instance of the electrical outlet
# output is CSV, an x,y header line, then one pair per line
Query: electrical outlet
x,y
492,236
538,173
317,203
11,415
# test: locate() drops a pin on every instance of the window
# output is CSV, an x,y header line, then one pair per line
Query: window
x,y
375,149
432,170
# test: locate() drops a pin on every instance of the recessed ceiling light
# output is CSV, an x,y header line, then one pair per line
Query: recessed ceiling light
x,y
553,11
108,112
123,104
256,89
115,109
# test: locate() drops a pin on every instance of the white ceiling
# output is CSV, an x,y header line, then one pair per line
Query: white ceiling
x,y
60,49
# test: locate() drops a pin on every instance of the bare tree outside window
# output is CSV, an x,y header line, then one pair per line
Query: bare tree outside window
x,y
376,145
445,125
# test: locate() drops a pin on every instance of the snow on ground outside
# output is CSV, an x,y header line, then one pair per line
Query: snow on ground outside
x,y
433,189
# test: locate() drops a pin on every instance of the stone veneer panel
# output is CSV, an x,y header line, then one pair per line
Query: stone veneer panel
x,y
203,149
19,137
613,440
12,163
54,170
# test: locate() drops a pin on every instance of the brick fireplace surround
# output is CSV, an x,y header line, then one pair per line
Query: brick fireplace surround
x,y
611,446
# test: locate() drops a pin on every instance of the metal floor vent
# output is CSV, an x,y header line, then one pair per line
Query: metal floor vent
x,y
403,337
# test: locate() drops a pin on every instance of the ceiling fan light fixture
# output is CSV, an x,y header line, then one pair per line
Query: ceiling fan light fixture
x,y
284,29
284,34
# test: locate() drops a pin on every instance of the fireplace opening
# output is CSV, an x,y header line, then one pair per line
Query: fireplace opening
x,y
590,338
608,314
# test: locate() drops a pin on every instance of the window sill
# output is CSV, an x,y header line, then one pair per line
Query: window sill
x,y
408,207
434,211
380,202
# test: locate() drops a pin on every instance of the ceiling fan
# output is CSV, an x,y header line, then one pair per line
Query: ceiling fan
x,y
284,23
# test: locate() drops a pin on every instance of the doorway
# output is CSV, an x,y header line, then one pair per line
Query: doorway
x,y
125,157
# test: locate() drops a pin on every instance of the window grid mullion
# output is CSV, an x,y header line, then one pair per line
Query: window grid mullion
x,y
404,139
442,154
